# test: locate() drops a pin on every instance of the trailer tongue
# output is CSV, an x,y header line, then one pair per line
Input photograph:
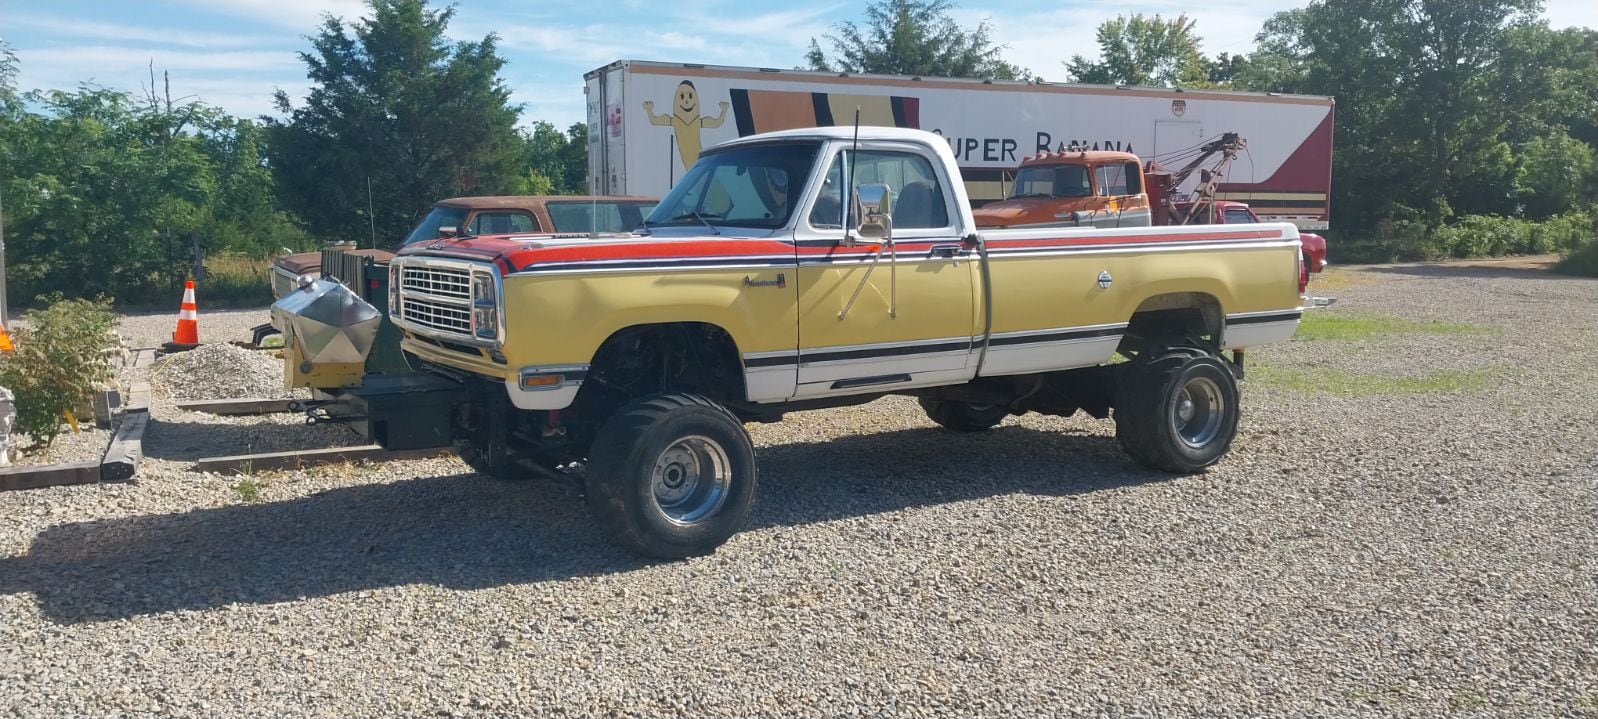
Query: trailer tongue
x,y
328,335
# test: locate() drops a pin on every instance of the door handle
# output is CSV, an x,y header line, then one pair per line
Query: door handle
x,y
947,252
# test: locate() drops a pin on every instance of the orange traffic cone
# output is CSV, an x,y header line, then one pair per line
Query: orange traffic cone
x,y
187,335
5,340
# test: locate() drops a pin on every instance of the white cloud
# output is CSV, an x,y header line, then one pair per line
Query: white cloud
x,y
239,82
1572,13
787,27
108,59
302,15
78,29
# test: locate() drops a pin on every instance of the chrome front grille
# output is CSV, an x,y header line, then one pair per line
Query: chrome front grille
x,y
438,298
452,319
447,282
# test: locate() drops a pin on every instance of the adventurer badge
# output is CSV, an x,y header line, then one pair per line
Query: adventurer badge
x,y
781,281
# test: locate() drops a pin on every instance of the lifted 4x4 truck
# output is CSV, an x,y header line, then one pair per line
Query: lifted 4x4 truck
x,y
759,286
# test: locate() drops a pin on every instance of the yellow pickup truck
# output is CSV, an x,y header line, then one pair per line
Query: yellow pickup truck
x,y
817,268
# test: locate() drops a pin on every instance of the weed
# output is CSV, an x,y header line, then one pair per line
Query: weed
x,y
1348,384
236,280
249,488
1332,325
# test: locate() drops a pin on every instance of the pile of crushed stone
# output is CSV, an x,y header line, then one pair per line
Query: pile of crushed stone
x,y
219,371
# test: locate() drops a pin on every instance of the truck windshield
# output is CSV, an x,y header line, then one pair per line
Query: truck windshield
x,y
441,216
748,186
1052,181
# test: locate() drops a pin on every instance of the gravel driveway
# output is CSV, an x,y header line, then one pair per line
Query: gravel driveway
x,y
1415,552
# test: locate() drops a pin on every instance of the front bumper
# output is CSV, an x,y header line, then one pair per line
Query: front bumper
x,y
560,395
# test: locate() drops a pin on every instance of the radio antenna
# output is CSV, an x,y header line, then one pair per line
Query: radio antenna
x,y
848,182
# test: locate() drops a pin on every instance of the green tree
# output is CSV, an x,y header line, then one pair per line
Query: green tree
x,y
1423,113
913,37
1223,69
557,162
1140,50
393,104
1554,174
574,160
106,193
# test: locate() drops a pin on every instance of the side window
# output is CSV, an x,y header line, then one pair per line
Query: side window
x,y
827,214
918,198
747,193
1239,216
1112,180
502,223
588,217
1134,178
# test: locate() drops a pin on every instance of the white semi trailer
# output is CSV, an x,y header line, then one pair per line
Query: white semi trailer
x,y
648,121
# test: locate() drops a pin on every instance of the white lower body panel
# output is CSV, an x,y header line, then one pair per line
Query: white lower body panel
x,y
1258,328
1051,349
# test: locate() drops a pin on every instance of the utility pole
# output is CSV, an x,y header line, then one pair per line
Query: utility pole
x,y
3,308
371,217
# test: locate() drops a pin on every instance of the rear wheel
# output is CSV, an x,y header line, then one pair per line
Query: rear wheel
x,y
964,416
672,476
1176,409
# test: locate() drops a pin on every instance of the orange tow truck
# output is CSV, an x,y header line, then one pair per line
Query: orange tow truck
x,y
1073,189
1116,189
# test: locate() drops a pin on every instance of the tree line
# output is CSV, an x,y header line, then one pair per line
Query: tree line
x,y
114,193
1463,127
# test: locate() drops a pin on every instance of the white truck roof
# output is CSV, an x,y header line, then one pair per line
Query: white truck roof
x,y
846,132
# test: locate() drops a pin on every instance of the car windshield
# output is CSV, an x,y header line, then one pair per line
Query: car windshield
x,y
1052,181
441,216
747,186
597,215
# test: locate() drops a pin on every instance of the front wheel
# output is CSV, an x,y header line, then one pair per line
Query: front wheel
x,y
1176,409
672,476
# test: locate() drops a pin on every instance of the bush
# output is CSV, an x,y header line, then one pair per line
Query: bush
x,y
1409,239
62,353
237,281
1582,261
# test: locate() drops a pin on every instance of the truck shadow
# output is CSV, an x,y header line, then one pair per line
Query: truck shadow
x,y
186,441
468,531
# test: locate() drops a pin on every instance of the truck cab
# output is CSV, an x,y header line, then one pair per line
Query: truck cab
x,y
1072,189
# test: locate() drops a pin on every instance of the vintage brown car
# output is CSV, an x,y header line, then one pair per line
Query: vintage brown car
x,y
512,214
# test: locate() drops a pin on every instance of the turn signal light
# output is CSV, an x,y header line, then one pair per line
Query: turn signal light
x,y
542,381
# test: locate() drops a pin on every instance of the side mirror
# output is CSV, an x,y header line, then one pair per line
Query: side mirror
x,y
449,231
873,208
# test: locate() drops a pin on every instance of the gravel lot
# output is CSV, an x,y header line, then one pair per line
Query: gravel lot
x,y
1415,554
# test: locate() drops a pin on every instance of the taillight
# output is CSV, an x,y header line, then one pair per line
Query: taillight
x,y
1303,274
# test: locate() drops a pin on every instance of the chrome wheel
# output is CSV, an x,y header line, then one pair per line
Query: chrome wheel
x,y
690,479
1198,412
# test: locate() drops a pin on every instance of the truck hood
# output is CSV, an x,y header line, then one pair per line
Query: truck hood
x,y
531,253
300,263
1029,210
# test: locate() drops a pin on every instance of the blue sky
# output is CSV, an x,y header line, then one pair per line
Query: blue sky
x,y
234,53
